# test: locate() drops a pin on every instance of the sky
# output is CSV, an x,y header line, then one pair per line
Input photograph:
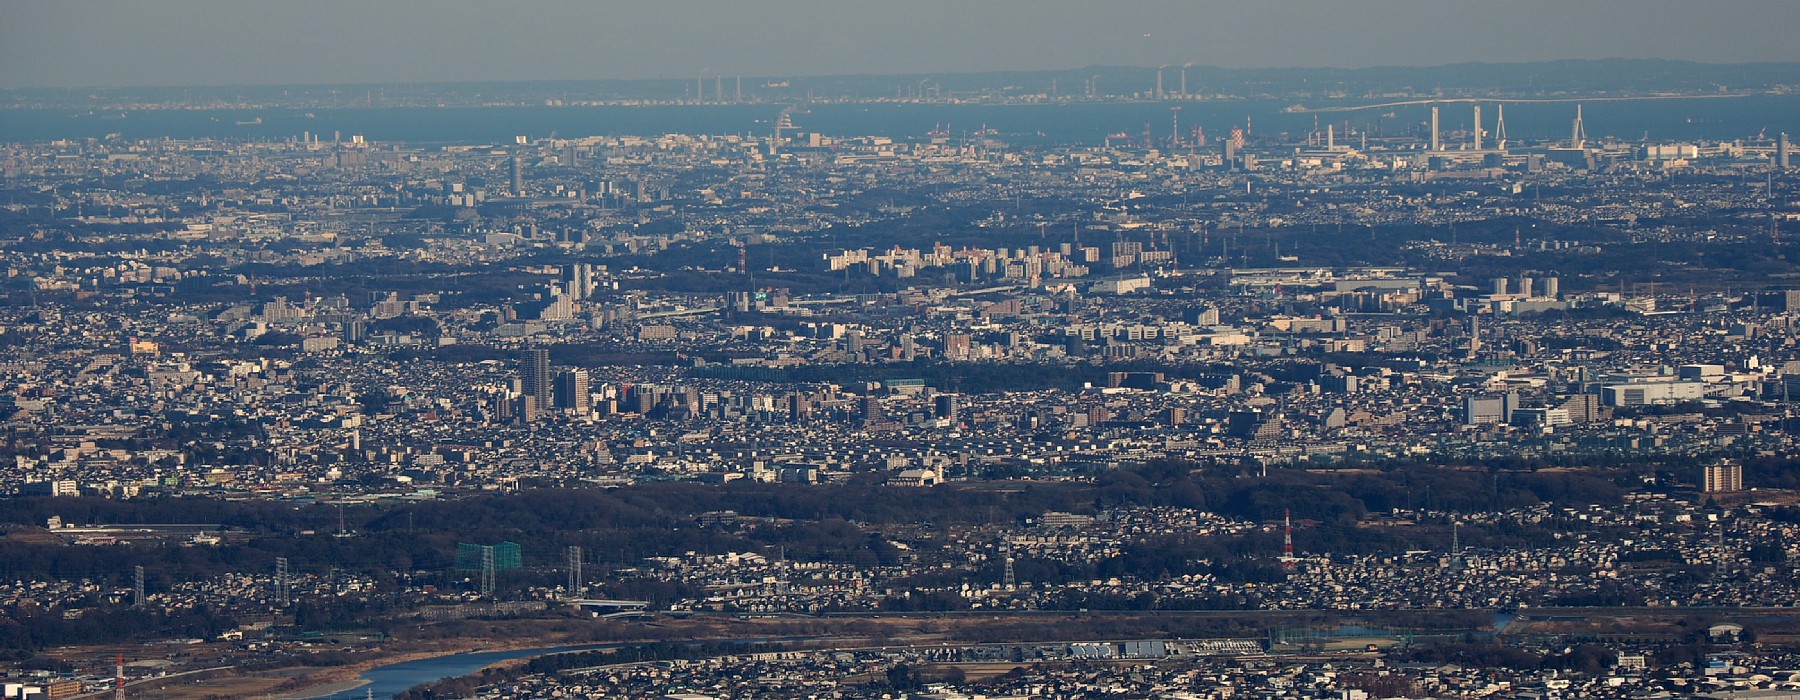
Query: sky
x,y
128,43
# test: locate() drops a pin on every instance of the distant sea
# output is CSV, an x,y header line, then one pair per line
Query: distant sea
x,y
1658,120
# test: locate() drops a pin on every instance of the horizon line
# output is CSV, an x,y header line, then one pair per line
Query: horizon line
x,y
825,76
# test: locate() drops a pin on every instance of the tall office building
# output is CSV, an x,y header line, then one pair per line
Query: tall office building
x,y
1583,408
534,375
1435,145
518,176
1781,151
578,279
945,406
355,331
799,407
573,391
1475,134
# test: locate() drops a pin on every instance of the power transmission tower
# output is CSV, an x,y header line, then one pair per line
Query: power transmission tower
x,y
487,570
281,581
137,586
1011,580
575,582
1719,559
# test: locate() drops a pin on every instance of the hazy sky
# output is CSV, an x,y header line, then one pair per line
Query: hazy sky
x,y
212,42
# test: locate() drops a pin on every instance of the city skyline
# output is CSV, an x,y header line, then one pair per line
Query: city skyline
x,y
204,42
408,350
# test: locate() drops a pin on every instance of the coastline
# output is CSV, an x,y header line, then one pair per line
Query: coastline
x,y
1521,100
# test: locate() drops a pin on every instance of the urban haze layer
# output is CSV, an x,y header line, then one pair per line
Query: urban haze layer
x,y
1113,383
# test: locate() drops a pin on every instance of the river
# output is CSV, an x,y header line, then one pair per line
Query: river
x,y
393,679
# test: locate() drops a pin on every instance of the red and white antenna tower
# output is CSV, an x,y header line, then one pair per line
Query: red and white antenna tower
x,y
119,679
1287,539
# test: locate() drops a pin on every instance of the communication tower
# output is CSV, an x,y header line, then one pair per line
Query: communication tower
x,y
1287,540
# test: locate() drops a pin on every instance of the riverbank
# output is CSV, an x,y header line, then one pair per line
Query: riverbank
x,y
397,672
323,691
317,682
342,679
